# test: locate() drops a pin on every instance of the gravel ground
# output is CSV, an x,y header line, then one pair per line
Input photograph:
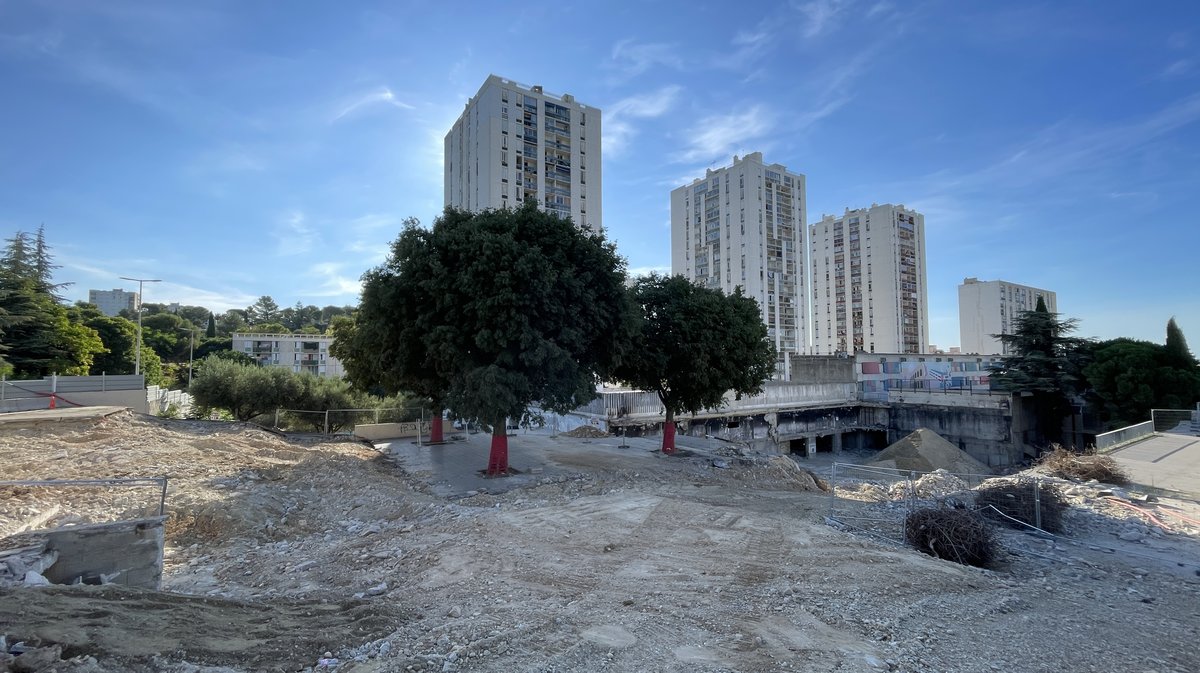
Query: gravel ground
x,y
288,556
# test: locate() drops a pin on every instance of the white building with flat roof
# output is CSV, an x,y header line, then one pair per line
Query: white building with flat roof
x,y
743,226
299,353
869,292
516,143
990,307
112,302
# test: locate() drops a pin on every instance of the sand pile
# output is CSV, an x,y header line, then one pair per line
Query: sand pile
x,y
585,432
925,451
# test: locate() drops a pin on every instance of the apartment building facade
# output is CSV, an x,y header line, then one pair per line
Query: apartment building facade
x,y
112,302
300,353
744,226
515,143
991,307
869,291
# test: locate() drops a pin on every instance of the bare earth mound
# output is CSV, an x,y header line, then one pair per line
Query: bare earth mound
x,y
925,451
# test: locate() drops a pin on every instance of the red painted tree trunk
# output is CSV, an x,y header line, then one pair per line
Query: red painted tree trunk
x,y
435,428
498,461
668,445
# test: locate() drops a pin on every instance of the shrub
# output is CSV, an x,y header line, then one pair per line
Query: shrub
x,y
952,534
1023,500
1083,466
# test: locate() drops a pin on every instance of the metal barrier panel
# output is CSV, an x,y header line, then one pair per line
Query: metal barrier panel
x,y
1174,420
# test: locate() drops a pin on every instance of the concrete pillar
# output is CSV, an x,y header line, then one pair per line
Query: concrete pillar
x,y
810,445
837,442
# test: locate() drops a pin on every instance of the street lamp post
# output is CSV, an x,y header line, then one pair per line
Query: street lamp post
x,y
137,366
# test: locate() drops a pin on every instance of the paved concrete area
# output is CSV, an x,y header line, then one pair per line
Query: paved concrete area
x,y
454,469
1164,461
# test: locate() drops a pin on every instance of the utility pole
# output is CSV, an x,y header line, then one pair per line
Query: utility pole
x,y
137,366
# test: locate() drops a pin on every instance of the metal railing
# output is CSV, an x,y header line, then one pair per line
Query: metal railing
x,y
1183,421
122,482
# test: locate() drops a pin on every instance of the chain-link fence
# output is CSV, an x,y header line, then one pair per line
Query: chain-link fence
x,y
878,500
341,421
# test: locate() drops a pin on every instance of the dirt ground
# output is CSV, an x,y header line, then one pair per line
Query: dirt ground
x,y
282,551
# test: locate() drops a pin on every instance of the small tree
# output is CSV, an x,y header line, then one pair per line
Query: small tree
x,y
490,312
693,345
245,391
1044,363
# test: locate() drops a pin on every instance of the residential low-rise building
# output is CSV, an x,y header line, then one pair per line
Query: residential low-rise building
x,y
301,353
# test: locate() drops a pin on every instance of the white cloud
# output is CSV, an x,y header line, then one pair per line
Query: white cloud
x,y
639,271
633,59
334,283
1178,68
380,95
720,136
618,125
819,16
293,236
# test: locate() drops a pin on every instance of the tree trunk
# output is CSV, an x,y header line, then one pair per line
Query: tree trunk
x,y
668,444
498,461
435,428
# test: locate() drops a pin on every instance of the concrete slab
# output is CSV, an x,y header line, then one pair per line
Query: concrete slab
x,y
1163,461
55,415
454,469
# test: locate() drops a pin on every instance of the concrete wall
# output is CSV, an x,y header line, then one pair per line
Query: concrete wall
x,y
374,432
985,434
822,369
128,552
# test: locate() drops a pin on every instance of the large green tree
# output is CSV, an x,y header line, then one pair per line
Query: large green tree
x,y
1128,378
263,310
246,391
1044,364
491,312
692,345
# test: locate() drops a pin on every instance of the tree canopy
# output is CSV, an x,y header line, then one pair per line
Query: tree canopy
x,y
692,345
1128,378
488,313
1046,364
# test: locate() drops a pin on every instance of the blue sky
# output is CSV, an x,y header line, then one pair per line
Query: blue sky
x,y
236,149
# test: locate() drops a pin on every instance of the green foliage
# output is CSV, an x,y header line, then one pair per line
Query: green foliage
x,y
216,346
211,330
489,312
265,310
1128,378
245,391
693,344
233,320
267,328
152,368
1046,364
120,341
1177,351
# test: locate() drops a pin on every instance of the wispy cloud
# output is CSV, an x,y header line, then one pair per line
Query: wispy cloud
x,y
639,271
1178,68
619,127
719,136
382,95
819,16
631,58
333,281
368,237
293,235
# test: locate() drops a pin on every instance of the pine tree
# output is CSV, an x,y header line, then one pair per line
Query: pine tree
x,y
1177,348
43,266
211,331
1045,364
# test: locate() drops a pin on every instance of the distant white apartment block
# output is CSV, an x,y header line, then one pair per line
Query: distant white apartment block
x,y
516,143
743,226
869,292
299,353
990,307
112,302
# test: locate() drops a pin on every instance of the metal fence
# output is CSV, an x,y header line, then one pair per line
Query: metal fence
x,y
877,500
341,421
1186,421
122,498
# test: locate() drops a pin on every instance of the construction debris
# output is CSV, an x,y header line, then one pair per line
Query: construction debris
x,y
585,432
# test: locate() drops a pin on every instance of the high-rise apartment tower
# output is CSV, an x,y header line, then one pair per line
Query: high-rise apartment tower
x,y
868,289
743,225
516,143
112,302
990,307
